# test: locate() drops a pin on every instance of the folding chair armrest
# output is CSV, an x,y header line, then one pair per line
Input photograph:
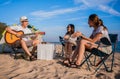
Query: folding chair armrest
x,y
105,41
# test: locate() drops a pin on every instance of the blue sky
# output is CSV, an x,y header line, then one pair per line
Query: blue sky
x,y
53,16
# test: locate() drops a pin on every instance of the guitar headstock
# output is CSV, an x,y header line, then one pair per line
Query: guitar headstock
x,y
42,33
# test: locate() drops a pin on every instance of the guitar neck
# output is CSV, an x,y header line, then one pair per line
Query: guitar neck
x,y
29,34
41,33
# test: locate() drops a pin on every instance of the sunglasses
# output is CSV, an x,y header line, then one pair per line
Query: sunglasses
x,y
24,21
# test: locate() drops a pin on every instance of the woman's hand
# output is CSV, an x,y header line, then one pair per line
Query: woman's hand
x,y
76,34
66,37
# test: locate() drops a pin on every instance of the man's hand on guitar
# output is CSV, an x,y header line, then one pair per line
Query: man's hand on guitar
x,y
41,33
18,35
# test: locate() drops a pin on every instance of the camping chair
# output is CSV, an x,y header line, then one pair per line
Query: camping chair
x,y
17,50
103,56
62,41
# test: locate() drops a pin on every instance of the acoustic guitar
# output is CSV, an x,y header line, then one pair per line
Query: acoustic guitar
x,y
11,38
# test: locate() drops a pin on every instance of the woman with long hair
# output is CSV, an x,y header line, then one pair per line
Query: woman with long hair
x,y
92,42
68,44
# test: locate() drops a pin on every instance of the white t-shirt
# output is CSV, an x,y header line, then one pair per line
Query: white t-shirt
x,y
100,29
71,39
25,30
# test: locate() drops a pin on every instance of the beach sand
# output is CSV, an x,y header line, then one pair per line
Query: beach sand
x,y
11,68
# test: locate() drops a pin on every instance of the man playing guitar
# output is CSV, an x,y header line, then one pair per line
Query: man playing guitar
x,y
24,42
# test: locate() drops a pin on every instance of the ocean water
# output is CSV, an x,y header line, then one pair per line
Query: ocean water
x,y
117,48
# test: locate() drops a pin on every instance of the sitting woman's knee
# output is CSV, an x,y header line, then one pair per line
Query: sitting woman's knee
x,y
83,41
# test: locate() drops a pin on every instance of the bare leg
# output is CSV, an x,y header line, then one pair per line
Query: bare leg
x,y
68,50
81,52
84,44
76,52
24,46
66,47
35,43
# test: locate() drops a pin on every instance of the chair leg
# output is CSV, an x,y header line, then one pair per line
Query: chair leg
x,y
15,57
112,62
85,59
106,68
94,60
62,53
102,62
90,60
15,52
87,62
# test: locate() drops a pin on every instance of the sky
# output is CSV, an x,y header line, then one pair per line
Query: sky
x,y
53,16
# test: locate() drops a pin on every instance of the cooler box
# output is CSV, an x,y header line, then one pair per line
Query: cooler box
x,y
45,51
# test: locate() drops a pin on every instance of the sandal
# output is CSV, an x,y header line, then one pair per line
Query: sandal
x,y
74,65
32,58
35,55
66,62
